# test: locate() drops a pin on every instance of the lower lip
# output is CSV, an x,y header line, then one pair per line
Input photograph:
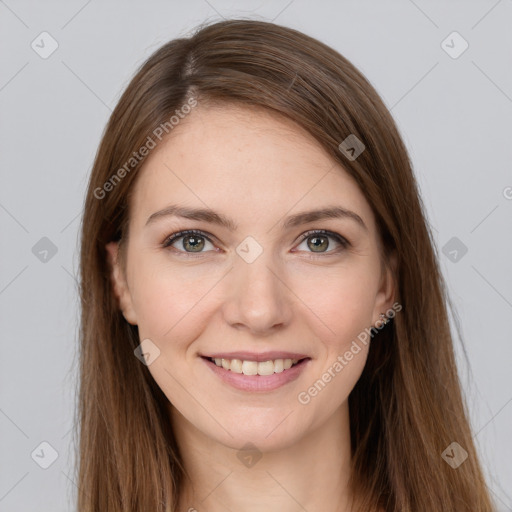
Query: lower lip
x,y
258,382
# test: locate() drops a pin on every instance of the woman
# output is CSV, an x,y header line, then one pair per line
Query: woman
x,y
264,322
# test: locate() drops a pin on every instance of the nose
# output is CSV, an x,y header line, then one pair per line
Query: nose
x,y
258,298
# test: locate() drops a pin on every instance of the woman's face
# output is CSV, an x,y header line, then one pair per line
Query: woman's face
x,y
248,285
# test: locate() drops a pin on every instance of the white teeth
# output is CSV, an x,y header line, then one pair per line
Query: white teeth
x,y
254,367
250,368
236,365
278,365
266,368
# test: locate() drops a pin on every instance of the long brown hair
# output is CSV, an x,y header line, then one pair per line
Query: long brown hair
x,y
406,408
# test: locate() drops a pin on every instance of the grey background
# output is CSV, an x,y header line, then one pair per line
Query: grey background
x,y
454,115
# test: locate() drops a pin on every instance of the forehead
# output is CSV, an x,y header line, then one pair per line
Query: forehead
x,y
246,162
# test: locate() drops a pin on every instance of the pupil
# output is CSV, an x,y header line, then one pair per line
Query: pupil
x,y
197,243
316,245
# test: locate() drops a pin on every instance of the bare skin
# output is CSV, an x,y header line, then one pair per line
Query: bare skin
x,y
312,296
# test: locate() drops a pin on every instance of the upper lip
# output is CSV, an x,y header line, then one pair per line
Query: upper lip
x,y
256,356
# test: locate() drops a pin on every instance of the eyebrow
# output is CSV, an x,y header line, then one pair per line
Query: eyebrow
x,y
211,216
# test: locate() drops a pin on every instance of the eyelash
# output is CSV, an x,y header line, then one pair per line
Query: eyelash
x,y
180,234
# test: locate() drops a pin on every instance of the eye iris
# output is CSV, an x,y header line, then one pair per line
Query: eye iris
x,y
197,242
315,245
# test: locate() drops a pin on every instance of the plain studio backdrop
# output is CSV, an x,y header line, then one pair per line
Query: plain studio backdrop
x,y
444,69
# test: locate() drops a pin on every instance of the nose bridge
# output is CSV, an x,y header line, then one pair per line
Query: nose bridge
x,y
257,296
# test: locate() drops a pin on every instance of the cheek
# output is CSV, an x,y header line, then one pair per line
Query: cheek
x,y
332,388
342,302
168,301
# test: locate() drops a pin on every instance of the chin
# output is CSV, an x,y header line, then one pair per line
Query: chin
x,y
267,437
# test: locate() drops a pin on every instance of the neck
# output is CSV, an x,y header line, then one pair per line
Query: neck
x,y
311,474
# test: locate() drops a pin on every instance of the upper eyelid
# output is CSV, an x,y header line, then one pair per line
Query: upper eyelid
x,y
186,232
340,239
211,238
326,232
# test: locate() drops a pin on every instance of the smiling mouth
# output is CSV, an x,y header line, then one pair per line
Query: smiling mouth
x,y
262,368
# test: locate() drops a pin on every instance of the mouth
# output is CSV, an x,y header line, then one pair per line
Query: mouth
x,y
256,376
251,367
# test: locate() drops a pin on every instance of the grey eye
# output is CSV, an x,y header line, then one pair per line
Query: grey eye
x,y
190,242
